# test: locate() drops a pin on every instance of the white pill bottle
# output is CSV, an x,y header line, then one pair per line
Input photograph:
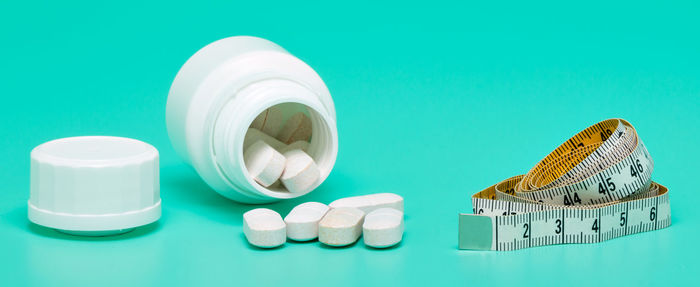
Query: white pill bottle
x,y
218,93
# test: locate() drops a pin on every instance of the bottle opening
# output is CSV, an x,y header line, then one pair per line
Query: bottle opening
x,y
288,149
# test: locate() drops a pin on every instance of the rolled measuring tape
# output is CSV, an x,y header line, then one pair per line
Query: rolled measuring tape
x,y
594,187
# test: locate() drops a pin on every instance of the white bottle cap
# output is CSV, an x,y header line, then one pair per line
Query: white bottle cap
x,y
94,185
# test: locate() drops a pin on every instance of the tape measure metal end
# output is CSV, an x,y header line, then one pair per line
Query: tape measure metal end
x,y
475,232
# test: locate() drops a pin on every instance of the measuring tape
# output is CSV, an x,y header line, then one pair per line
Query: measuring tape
x,y
594,187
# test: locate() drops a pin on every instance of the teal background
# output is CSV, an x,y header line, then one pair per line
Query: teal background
x,y
436,100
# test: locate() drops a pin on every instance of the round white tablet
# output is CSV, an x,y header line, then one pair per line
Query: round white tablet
x,y
264,228
254,135
300,172
269,121
298,127
264,163
370,202
302,221
383,228
302,145
341,226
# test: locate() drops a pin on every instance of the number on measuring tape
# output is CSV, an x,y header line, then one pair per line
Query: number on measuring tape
x,y
594,187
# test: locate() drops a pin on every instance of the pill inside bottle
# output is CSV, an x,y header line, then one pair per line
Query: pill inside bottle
x,y
238,91
288,128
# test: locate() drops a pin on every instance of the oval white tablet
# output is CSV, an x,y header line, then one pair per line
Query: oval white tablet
x,y
264,228
341,226
264,163
302,221
370,202
300,172
383,228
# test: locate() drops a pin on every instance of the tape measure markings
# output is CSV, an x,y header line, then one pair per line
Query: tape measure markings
x,y
571,194
562,226
598,189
